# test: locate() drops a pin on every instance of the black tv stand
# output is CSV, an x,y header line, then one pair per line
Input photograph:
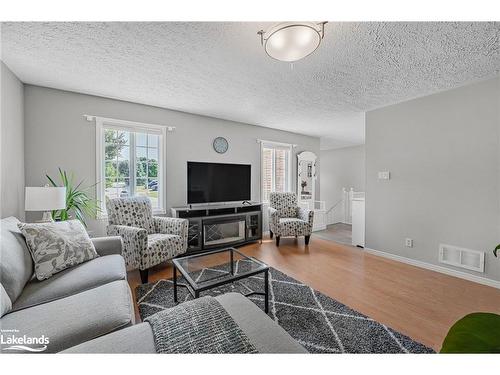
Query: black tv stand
x,y
215,226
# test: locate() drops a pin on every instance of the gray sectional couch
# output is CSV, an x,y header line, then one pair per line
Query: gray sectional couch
x,y
262,332
89,309
76,305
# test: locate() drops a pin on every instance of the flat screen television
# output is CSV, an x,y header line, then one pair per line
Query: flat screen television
x,y
218,182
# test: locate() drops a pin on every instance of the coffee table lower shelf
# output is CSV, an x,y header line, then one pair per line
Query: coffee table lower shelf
x,y
227,278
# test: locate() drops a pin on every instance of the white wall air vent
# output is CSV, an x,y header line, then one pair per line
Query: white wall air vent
x,y
460,257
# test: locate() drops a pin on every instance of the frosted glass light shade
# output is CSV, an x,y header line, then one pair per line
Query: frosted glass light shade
x,y
292,41
45,198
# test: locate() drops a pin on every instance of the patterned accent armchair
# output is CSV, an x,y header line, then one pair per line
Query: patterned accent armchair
x,y
147,240
286,218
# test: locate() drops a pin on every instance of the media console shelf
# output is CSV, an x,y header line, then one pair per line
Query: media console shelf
x,y
215,226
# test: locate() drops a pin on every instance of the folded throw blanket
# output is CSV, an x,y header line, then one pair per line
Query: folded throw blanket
x,y
198,326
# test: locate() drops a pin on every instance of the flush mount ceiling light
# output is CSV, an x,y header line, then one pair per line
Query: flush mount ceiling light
x,y
292,41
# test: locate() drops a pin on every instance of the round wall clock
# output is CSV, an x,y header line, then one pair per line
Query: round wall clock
x,y
220,145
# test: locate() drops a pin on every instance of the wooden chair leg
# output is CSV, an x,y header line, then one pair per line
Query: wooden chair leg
x,y
144,276
271,234
307,239
277,240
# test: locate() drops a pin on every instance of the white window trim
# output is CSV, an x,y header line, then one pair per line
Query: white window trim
x,y
275,145
102,123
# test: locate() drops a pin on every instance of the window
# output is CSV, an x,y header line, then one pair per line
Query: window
x,y
130,161
276,168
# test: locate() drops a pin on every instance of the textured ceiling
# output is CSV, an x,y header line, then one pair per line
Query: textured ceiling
x,y
220,69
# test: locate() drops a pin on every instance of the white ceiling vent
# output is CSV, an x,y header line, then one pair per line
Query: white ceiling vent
x,y
460,257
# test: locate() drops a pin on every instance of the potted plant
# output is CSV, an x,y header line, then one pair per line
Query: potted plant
x,y
79,203
474,333
303,184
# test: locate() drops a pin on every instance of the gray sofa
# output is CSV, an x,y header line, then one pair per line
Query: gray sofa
x,y
83,309
76,305
262,332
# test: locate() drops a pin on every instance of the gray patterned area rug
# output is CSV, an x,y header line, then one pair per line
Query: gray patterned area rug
x,y
318,322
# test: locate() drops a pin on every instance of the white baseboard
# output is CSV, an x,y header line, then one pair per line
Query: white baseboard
x,y
338,222
434,267
319,227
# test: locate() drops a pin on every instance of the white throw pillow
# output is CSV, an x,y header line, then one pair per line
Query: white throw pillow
x,y
5,303
56,246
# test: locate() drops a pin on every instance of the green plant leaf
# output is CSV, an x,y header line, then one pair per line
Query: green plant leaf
x,y
474,333
78,185
79,216
51,180
496,250
64,215
62,175
78,201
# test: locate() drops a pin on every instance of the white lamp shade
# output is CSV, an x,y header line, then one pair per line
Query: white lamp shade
x,y
292,42
45,198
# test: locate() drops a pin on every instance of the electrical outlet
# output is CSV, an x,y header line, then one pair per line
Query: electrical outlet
x,y
409,242
384,175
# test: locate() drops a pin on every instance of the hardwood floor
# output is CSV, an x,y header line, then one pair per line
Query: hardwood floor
x,y
339,232
419,303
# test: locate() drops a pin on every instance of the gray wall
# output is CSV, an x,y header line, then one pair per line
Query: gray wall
x,y
57,135
12,145
443,154
343,167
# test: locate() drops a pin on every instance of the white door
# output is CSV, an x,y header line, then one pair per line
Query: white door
x,y
358,222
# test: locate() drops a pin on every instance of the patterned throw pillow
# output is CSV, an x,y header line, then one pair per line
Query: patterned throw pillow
x,y
5,303
56,246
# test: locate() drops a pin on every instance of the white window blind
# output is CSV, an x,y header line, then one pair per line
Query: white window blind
x,y
276,168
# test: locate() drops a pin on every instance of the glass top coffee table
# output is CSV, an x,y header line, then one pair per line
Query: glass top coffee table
x,y
231,264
